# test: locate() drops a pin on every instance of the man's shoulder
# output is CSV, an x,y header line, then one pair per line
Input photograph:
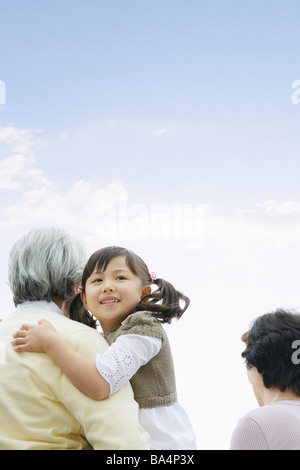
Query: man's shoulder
x,y
80,336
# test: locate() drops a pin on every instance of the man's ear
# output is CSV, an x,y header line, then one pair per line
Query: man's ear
x,y
146,291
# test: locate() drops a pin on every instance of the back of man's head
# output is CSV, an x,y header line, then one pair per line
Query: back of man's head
x,y
45,263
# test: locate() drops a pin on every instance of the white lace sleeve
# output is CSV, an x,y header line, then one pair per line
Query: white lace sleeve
x,y
124,357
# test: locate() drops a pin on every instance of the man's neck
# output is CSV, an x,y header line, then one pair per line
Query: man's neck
x,y
64,305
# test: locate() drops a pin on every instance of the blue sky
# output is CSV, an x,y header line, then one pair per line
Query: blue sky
x,y
167,110
217,74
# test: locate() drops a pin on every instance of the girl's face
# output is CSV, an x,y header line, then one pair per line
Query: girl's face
x,y
112,295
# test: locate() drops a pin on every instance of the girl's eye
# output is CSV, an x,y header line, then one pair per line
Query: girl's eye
x,y
95,281
121,278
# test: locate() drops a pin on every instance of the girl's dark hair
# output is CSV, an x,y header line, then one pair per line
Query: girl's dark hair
x,y
165,303
269,349
78,313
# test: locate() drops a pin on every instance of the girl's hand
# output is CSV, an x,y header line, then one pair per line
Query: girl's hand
x,y
34,338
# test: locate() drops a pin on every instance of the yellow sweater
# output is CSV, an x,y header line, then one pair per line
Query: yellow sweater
x,y
41,409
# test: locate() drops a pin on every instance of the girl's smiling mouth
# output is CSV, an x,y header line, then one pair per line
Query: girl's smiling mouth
x,y
109,300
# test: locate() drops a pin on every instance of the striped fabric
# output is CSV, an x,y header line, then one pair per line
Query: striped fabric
x,y
271,427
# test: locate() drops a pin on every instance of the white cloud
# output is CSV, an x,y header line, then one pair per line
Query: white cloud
x,y
268,224
93,212
284,208
17,160
107,214
161,131
10,171
77,208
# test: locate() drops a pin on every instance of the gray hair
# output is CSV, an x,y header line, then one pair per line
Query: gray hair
x,y
45,263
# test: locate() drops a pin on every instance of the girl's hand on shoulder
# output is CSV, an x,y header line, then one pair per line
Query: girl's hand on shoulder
x,y
34,338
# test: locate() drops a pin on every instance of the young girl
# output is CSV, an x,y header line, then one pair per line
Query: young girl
x,y
116,289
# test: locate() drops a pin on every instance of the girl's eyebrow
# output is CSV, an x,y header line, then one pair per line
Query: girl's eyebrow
x,y
121,270
114,272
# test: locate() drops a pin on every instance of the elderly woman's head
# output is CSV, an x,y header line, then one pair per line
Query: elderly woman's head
x,y
269,350
44,264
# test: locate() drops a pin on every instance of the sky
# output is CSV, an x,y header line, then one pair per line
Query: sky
x,y
170,127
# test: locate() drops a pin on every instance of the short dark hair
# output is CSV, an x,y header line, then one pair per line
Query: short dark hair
x,y
269,349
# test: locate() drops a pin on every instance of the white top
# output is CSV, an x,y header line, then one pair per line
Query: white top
x,y
169,426
124,357
270,427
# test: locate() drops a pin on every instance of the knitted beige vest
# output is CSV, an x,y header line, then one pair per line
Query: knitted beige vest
x,y
154,383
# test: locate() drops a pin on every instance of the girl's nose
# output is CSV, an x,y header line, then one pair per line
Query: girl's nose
x,y
108,287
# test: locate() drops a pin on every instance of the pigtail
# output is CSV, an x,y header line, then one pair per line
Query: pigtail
x,y
165,303
79,313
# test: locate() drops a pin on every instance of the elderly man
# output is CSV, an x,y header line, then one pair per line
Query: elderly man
x,y
39,407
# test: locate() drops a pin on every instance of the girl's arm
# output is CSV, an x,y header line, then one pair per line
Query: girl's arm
x,y
80,370
120,362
